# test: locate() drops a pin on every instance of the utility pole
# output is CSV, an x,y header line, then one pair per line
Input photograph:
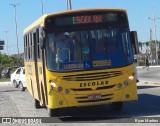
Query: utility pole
x,y
14,5
154,19
42,7
69,5
7,41
151,49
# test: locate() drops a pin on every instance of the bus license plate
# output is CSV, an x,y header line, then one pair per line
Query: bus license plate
x,y
94,96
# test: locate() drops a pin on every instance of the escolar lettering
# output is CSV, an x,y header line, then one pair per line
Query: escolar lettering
x,y
87,84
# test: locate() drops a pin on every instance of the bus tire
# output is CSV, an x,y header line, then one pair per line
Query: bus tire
x,y
37,104
53,112
116,106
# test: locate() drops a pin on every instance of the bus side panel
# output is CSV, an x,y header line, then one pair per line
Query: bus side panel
x,y
31,79
41,84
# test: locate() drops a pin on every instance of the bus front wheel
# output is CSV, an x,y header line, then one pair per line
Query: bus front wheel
x,y
116,106
53,112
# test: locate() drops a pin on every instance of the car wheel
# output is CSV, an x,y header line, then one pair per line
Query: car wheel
x,y
15,84
21,86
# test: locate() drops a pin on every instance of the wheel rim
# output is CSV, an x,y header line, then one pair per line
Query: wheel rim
x,y
21,86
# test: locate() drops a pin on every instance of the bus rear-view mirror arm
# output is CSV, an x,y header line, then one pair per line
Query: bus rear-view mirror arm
x,y
134,39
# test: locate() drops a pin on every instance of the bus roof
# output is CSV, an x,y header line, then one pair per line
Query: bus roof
x,y
41,20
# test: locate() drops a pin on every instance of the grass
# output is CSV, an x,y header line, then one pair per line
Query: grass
x,y
5,79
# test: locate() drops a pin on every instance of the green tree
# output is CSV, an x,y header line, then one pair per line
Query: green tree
x,y
9,61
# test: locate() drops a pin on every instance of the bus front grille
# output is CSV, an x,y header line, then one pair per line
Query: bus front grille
x,y
92,76
90,89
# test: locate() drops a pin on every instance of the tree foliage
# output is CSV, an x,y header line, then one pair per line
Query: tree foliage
x,y
10,61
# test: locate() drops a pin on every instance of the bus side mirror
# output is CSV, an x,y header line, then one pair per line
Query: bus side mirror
x,y
42,39
134,40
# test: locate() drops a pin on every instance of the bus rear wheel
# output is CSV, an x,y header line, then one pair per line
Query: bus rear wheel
x,y
53,112
116,106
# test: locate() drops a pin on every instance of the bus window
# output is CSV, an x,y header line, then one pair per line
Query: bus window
x,y
89,46
59,50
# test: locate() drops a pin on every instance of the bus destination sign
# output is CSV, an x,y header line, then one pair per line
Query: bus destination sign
x,y
87,19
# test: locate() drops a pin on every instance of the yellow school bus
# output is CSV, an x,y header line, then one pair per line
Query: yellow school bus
x,y
80,58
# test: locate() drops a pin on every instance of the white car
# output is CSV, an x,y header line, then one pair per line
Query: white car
x,y
18,78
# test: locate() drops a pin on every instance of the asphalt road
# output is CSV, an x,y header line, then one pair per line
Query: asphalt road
x,y
14,103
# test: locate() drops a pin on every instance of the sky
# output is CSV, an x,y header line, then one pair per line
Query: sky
x,y
29,10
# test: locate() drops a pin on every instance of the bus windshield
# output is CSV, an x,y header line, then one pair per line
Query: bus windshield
x,y
88,49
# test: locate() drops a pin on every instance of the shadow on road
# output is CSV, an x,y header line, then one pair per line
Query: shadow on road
x,y
144,87
147,105
150,101
101,113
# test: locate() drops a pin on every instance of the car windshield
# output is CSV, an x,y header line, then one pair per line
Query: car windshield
x,y
92,49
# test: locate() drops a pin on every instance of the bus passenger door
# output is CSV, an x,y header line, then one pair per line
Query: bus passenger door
x,y
40,71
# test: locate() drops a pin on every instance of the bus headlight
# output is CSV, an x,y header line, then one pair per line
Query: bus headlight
x,y
131,78
53,85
